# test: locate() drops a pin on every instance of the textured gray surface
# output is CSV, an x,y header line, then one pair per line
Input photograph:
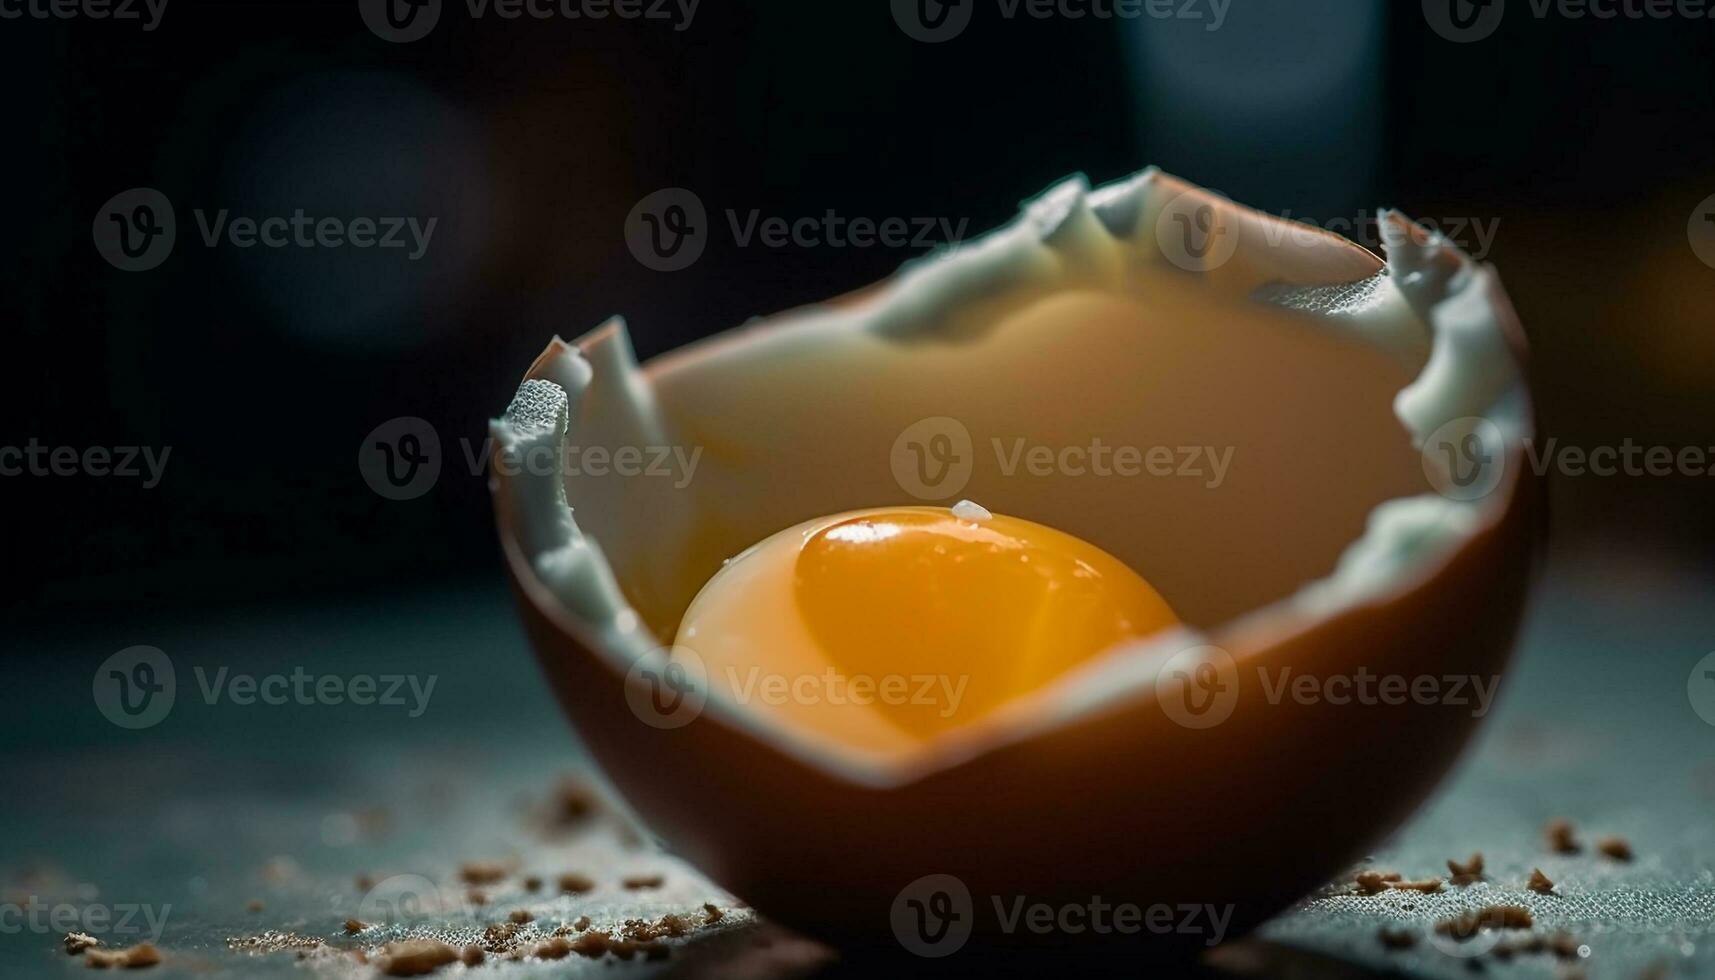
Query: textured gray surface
x,y
222,804
1594,725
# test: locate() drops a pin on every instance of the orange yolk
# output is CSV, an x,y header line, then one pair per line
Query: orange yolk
x,y
926,619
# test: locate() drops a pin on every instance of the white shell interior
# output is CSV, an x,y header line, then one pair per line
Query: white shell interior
x,y
1315,372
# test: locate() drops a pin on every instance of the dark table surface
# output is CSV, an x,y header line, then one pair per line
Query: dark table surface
x,y
185,824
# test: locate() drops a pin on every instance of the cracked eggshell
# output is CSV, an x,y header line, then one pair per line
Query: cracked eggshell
x,y
1104,784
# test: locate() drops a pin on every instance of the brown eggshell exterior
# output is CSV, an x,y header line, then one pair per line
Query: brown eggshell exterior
x,y
1123,804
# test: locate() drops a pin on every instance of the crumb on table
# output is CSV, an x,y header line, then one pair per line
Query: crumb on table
x,y
416,957
1617,848
1561,837
573,883
1468,872
135,958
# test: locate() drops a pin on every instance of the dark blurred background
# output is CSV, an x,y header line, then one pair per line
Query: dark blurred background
x,y
1586,145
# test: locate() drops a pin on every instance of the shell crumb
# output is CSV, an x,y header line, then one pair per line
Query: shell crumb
x,y
573,883
1468,872
1396,938
1561,838
135,958
482,872
1617,848
416,957
970,510
1463,927
1375,882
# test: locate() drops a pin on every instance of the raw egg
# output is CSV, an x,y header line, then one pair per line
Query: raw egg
x,y
1232,467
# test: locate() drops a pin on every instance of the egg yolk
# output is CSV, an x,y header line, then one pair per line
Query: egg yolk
x,y
917,616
